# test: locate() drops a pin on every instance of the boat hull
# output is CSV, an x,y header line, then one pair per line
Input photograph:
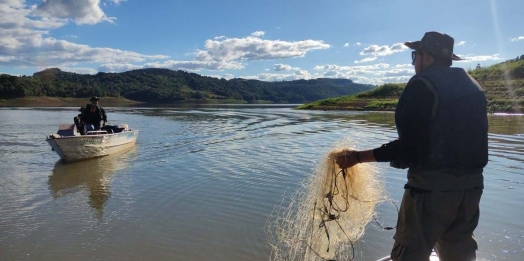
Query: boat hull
x,y
75,148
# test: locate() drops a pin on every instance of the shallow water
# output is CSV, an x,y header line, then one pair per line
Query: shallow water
x,y
202,182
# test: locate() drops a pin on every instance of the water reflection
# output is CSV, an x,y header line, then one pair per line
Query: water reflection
x,y
93,176
506,124
203,183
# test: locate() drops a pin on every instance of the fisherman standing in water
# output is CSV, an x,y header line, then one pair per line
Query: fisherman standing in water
x,y
441,120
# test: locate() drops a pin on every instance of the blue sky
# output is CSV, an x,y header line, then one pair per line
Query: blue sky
x,y
269,40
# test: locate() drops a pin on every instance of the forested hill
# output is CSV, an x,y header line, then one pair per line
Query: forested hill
x,y
166,86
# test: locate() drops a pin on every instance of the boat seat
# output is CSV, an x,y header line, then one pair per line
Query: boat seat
x,y
67,130
97,132
123,127
113,128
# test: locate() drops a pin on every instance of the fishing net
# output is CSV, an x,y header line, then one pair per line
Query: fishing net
x,y
328,213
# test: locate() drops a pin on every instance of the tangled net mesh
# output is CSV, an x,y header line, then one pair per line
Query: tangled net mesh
x,y
328,214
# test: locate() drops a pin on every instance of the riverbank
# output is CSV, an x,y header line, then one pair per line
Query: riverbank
x,y
385,98
351,104
109,102
65,102
382,98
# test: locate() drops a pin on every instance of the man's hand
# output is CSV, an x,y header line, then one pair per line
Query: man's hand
x,y
346,159
104,124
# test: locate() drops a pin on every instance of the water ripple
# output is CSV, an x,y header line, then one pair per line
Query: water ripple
x,y
201,183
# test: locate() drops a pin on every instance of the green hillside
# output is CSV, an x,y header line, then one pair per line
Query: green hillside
x,y
503,84
164,86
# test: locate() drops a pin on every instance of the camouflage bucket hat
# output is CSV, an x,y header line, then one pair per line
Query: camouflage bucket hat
x,y
437,44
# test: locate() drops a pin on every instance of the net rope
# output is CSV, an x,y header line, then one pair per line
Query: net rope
x,y
328,213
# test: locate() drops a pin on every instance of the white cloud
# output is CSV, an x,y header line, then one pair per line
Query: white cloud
x,y
271,77
369,74
365,60
23,45
358,44
355,69
399,72
354,78
34,50
44,52
375,50
258,33
399,79
461,43
24,41
228,76
15,16
254,48
214,76
12,3
6,59
302,74
11,74
406,65
195,65
346,44
517,38
117,67
82,12
363,79
79,70
479,58
282,67
117,2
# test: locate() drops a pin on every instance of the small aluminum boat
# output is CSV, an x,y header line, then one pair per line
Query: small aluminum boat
x,y
71,146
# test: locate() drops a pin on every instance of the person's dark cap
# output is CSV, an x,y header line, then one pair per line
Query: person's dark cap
x,y
94,98
81,109
436,44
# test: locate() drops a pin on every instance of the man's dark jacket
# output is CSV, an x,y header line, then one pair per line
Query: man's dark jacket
x,y
95,117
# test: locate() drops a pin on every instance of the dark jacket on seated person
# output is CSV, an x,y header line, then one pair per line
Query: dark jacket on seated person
x,y
94,115
79,122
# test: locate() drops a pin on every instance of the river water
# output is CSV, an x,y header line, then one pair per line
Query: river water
x,y
202,182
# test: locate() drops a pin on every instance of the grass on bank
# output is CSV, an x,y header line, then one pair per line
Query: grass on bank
x,y
503,84
385,98
382,98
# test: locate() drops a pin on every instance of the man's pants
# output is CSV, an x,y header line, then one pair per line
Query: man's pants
x,y
92,127
444,220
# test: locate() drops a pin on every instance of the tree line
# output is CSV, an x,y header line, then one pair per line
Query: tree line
x,y
156,85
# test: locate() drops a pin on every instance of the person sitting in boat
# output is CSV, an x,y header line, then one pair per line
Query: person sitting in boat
x,y
79,122
93,114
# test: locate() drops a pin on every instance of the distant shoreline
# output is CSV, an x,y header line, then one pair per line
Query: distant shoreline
x,y
111,102
362,105
65,102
